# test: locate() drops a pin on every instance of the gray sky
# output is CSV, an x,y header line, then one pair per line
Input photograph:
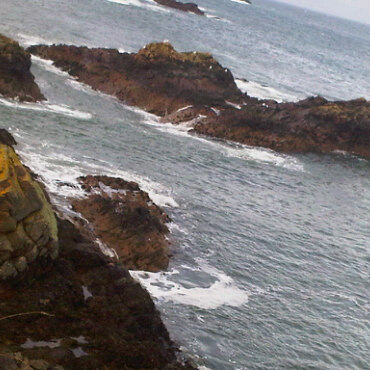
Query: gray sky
x,y
352,9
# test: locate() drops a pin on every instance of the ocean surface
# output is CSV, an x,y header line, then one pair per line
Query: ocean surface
x,y
271,261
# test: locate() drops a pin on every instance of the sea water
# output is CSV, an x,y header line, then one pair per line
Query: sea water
x,y
270,265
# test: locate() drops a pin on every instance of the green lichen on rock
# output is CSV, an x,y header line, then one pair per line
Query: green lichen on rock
x,y
28,228
159,50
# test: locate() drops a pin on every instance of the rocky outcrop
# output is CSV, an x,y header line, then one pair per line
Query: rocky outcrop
x,y
16,80
186,7
195,90
28,229
157,78
84,311
125,219
311,125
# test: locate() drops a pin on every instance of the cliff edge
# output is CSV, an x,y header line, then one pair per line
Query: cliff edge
x,y
16,79
63,303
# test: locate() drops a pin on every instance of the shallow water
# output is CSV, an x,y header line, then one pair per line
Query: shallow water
x,y
271,260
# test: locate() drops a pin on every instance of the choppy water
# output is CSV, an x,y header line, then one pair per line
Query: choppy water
x,y
271,264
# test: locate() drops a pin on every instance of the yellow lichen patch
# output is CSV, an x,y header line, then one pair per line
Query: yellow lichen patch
x,y
27,221
4,162
166,50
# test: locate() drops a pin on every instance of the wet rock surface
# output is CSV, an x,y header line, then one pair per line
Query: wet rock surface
x,y
125,219
85,313
186,7
16,80
28,228
311,125
157,78
76,309
193,89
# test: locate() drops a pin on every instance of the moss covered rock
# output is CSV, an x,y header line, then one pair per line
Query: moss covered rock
x,y
28,228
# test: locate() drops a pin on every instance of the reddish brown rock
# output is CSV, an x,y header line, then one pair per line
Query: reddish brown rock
x,y
194,88
125,219
16,80
157,78
85,313
186,7
311,125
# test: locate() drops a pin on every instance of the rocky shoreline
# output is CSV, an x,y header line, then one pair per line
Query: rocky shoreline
x,y
193,88
16,80
67,298
64,303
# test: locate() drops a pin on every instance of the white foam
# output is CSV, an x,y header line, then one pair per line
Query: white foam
x,y
259,91
222,292
48,65
47,107
60,172
65,110
264,155
151,5
241,2
28,40
230,149
175,227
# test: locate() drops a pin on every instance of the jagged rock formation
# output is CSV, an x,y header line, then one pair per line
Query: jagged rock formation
x,y
28,229
157,78
193,88
95,315
186,7
126,220
16,80
311,125
84,311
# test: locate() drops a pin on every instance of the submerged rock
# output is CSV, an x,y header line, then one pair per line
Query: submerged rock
x,y
16,80
186,7
28,229
125,219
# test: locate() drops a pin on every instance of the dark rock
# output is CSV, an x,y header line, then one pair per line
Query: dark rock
x,y
194,88
117,327
7,138
157,78
311,125
186,7
125,219
16,80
